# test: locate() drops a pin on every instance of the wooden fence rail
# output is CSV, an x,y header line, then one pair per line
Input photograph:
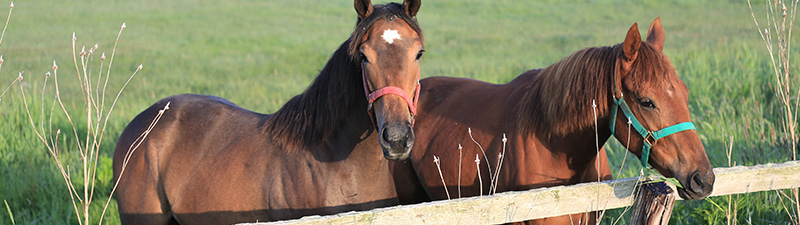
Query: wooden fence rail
x,y
562,200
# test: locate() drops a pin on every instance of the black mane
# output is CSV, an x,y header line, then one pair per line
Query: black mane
x,y
316,114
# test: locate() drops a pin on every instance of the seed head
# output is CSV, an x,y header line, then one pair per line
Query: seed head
x,y
123,26
83,51
459,147
11,6
55,66
73,37
20,76
1,59
103,57
477,160
766,31
140,67
47,74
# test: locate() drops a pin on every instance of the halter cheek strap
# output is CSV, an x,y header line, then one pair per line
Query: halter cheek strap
x,y
390,90
646,134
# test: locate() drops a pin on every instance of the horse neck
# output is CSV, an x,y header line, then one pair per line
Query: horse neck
x,y
315,116
559,101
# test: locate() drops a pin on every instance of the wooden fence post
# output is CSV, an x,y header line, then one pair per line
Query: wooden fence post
x,y
653,204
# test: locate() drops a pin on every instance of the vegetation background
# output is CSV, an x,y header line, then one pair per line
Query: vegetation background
x,y
258,54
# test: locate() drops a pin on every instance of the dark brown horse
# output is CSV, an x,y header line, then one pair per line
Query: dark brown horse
x,y
548,117
208,161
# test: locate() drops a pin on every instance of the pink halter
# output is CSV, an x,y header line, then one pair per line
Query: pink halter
x,y
371,97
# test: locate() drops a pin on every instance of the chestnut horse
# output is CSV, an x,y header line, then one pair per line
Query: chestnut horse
x,y
548,117
208,161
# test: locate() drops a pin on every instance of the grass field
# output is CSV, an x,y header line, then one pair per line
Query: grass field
x,y
258,54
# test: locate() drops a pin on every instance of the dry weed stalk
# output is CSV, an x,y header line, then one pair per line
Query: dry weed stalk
x,y
489,167
460,152
777,33
438,166
500,159
493,176
599,216
2,35
96,115
478,168
731,215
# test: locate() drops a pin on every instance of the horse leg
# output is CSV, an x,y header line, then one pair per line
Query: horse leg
x,y
409,188
139,197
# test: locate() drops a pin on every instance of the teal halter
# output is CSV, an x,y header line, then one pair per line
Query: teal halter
x,y
646,134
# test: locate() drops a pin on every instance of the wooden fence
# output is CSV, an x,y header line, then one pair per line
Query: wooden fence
x,y
562,200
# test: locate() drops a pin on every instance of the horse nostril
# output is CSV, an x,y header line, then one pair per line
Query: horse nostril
x,y
385,135
699,183
696,182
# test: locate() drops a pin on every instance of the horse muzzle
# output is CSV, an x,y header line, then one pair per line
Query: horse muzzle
x,y
396,140
697,186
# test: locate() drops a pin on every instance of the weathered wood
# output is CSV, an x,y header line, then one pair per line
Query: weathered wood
x,y
562,200
653,204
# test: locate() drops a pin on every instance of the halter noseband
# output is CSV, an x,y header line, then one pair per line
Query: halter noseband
x,y
372,96
646,134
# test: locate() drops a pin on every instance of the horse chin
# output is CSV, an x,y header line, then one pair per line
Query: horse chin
x,y
688,195
397,156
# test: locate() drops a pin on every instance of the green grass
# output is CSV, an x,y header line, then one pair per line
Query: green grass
x,y
259,54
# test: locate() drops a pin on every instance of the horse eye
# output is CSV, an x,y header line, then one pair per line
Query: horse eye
x,y
419,54
363,58
647,103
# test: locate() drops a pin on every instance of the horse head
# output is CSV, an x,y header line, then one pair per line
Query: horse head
x,y
388,42
654,102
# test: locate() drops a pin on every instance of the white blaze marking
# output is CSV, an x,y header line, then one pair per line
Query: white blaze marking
x,y
390,35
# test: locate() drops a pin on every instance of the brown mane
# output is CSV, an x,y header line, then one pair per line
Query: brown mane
x,y
559,101
313,116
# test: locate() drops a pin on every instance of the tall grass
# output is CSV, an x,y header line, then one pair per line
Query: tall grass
x,y
80,178
260,54
777,37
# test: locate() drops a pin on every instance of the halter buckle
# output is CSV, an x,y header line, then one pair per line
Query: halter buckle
x,y
648,137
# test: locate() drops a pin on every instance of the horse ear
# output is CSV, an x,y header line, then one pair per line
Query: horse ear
x,y
630,47
632,42
364,8
412,6
656,34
